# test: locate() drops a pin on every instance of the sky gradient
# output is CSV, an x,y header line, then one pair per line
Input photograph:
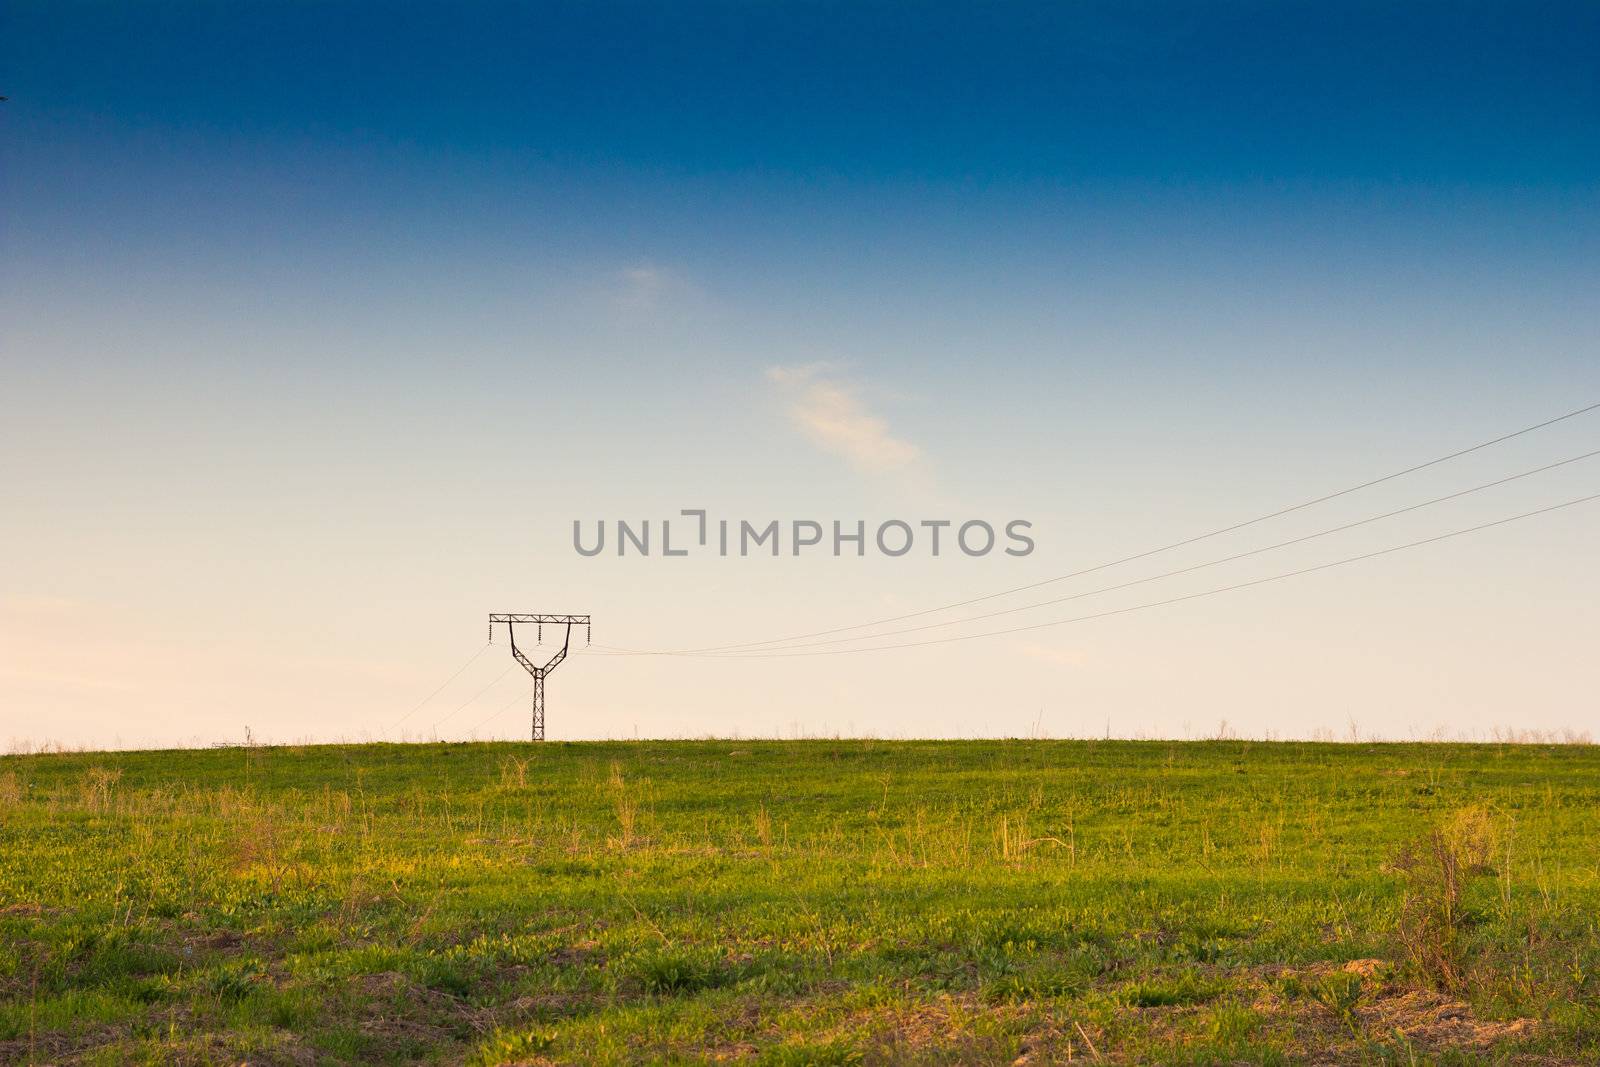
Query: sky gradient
x,y
322,322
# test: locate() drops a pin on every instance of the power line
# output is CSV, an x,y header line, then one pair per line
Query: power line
x,y
496,713
476,695
1139,555
1170,600
470,661
1208,563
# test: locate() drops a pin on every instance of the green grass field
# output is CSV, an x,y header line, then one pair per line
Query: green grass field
x,y
803,902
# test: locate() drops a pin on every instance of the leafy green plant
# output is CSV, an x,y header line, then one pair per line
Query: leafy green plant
x,y
1232,1024
236,980
675,971
804,1054
512,1046
1166,992
1035,983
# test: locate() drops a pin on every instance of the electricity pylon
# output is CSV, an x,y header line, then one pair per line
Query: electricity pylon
x,y
533,668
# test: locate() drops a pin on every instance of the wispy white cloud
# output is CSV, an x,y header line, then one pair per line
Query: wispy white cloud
x,y
640,286
830,413
647,287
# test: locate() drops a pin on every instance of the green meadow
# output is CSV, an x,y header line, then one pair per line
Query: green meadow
x,y
807,902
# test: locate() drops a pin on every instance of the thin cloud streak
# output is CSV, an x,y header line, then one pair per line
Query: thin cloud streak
x,y
830,414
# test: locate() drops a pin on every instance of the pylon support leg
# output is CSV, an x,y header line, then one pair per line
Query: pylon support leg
x,y
538,707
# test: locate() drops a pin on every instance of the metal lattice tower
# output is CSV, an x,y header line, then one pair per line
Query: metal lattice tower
x,y
539,673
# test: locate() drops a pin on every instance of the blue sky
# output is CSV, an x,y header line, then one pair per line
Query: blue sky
x,y
343,310
1441,94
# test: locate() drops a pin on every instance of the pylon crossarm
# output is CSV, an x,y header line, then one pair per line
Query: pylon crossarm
x,y
581,620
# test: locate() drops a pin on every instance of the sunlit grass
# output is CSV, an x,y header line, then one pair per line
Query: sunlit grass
x,y
799,902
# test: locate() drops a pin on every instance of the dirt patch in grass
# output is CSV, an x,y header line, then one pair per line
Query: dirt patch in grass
x,y
52,1047
22,909
1382,1020
960,1028
1339,1011
1436,1022
277,1048
281,1049
391,987
952,1028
